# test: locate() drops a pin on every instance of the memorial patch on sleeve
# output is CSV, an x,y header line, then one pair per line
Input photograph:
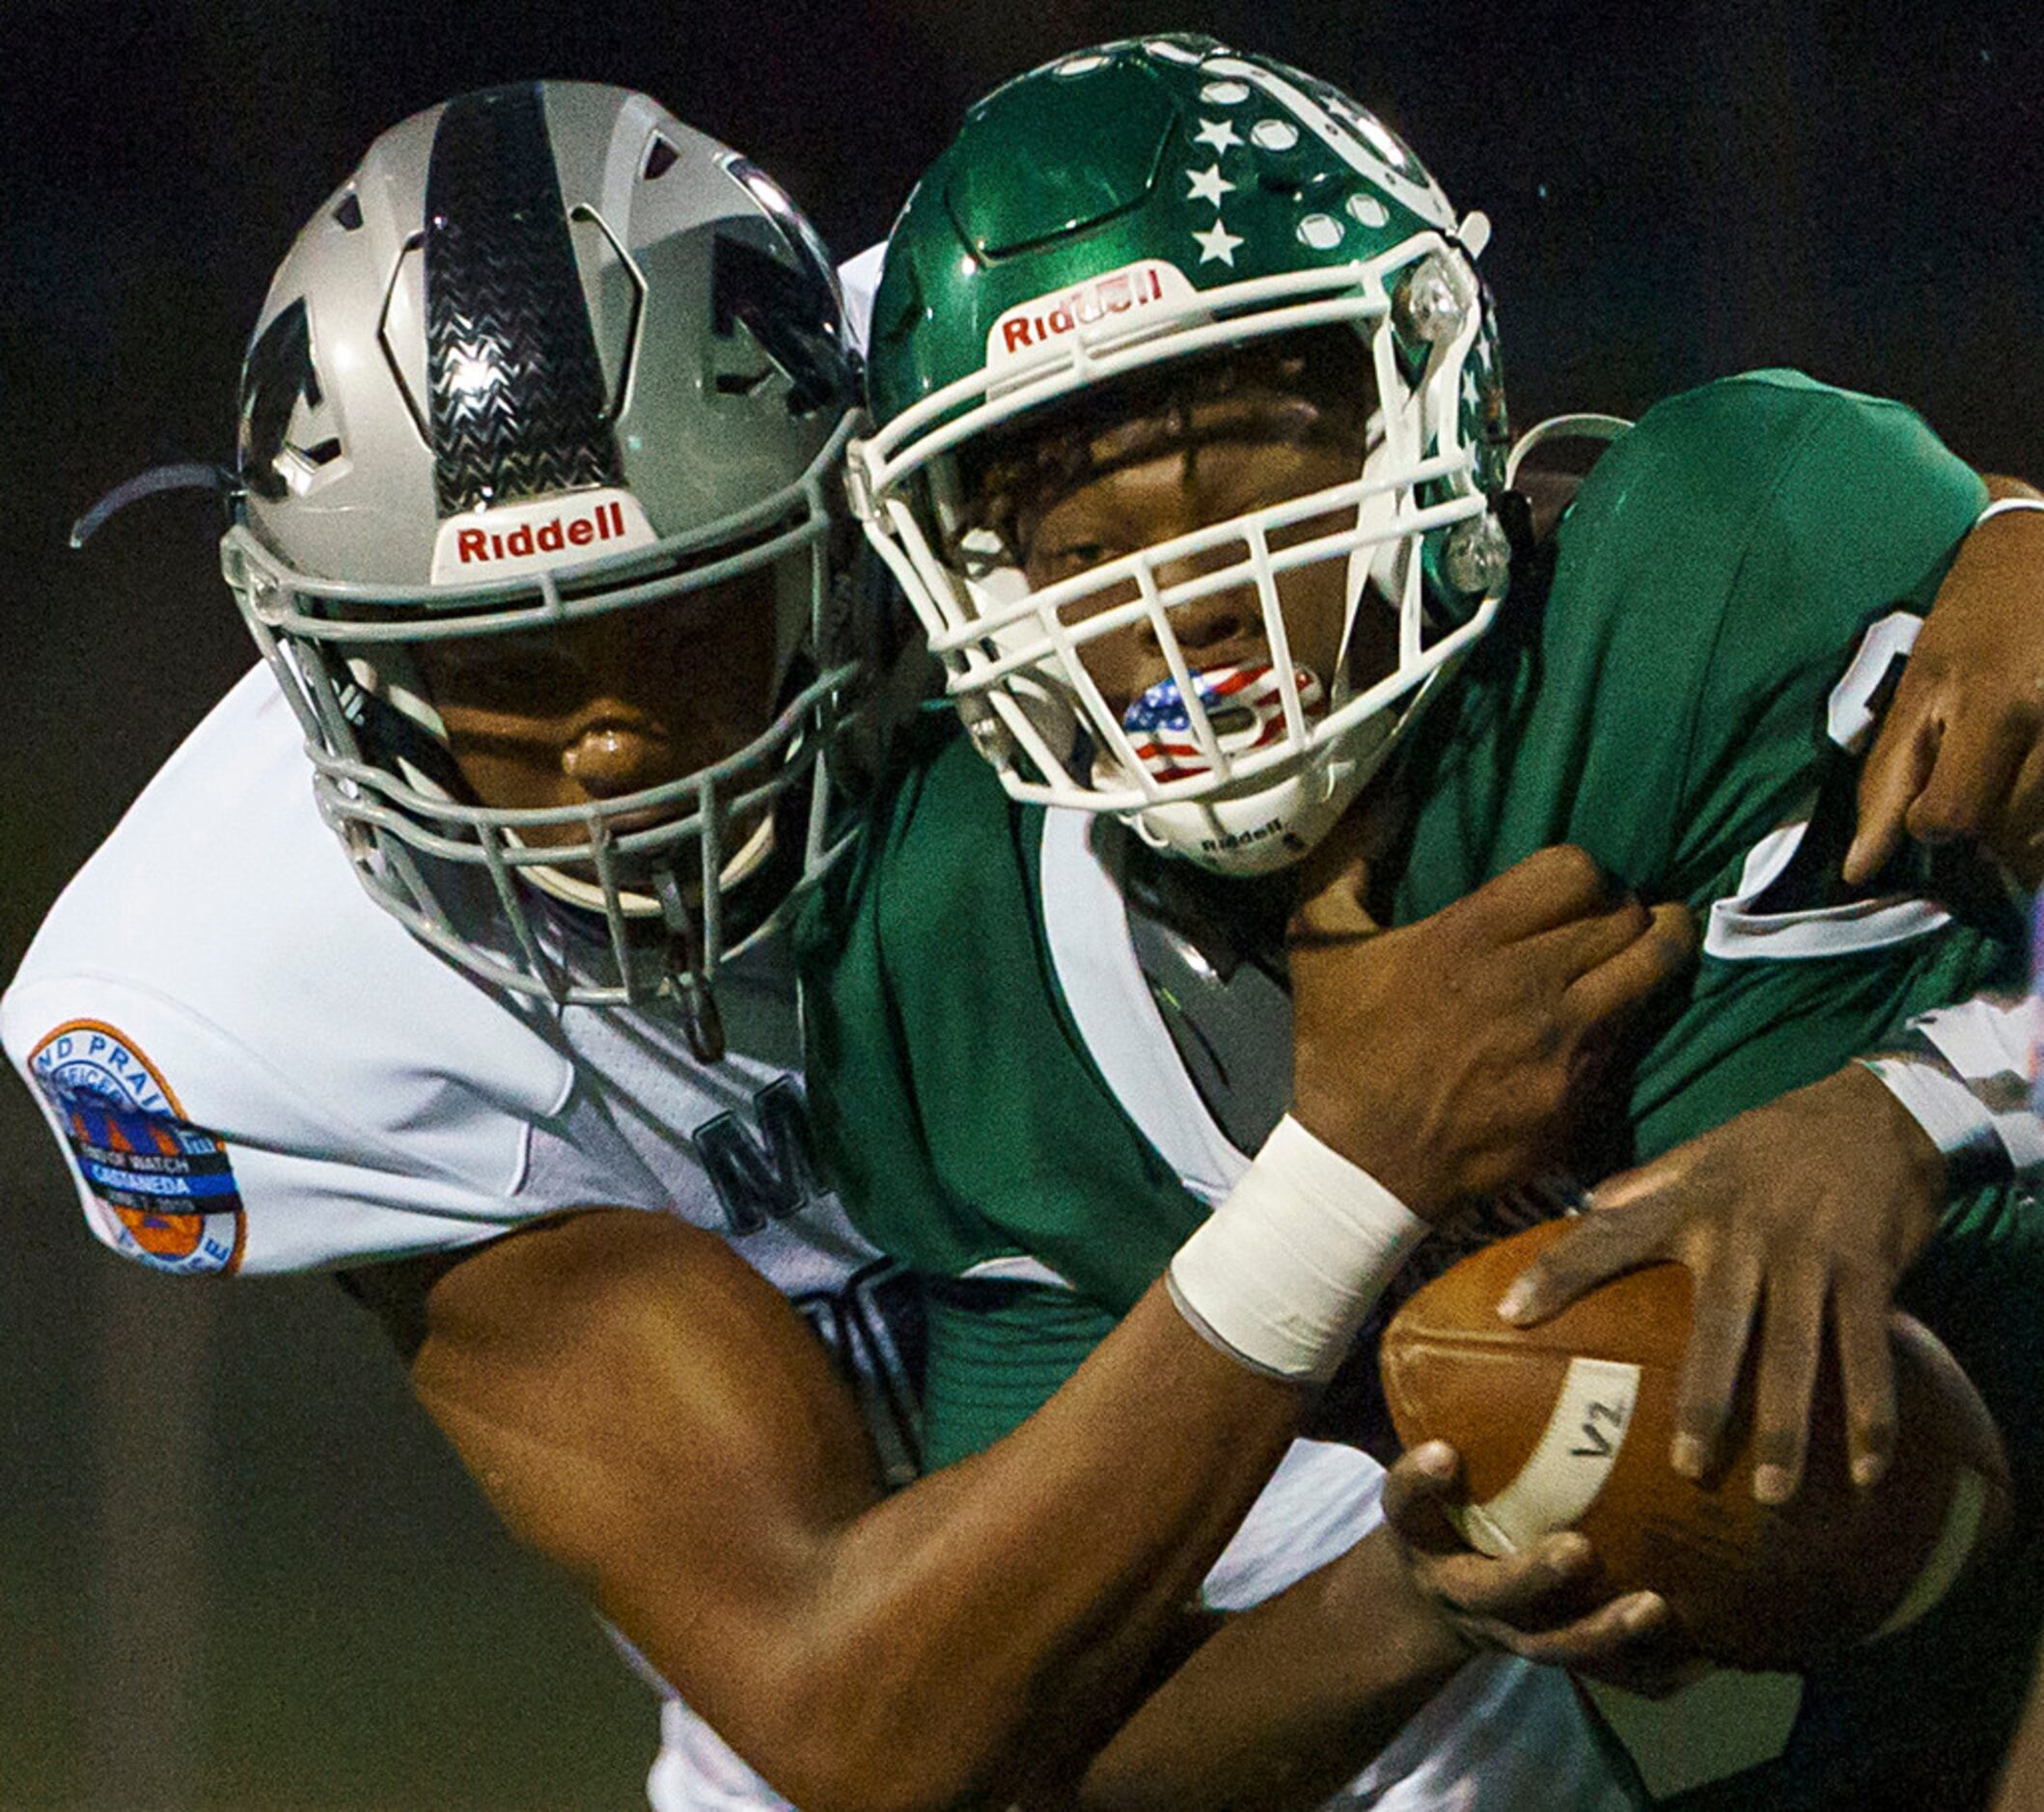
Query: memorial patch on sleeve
x,y
167,1186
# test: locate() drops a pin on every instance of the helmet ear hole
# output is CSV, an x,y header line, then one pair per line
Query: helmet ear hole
x,y
400,333
608,270
348,213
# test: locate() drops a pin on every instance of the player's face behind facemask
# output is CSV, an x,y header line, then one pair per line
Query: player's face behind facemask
x,y
1155,462
606,714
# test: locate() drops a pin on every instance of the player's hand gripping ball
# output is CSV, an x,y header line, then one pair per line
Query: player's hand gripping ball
x,y
1566,1425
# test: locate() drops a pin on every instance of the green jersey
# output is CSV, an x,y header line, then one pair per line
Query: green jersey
x,y
1734,588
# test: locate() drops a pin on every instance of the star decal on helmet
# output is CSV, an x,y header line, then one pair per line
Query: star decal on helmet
x,y
1207,185
1218,133
1218,244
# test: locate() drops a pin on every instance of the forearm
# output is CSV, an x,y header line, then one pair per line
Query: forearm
x,y
997,1615
1059,1557
1288,1701
861,1651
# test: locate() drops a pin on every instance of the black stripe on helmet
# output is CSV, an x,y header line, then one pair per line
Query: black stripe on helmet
x,y
519,404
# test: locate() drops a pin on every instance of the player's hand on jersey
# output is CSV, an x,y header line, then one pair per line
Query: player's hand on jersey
x,y
1545,1603
1797,1214
1447,1057
1960,753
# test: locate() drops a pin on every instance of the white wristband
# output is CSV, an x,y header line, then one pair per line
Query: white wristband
x,y
1288,1266
2002,506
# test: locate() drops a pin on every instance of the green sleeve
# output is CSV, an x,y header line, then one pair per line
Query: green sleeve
x,y
1668,710
1859,521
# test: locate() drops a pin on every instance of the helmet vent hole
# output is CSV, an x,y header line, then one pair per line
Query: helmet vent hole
x,y
401,331
660,158
347,214
618,290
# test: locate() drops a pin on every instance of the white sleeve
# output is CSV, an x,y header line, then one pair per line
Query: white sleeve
x,y
193,1152
859,278
1966,1076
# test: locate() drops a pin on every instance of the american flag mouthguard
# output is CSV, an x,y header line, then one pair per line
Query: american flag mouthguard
x,y
1245,705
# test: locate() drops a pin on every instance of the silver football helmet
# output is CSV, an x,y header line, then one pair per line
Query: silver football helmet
x,y
548,353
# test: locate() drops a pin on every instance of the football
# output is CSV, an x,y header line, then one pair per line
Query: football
x,y
1567,1424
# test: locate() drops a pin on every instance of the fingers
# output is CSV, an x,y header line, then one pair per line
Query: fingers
x,y
1791,1338
1526,1602
1583,944
1894,775
1601,1643
1867,1369
1528,1589
1662,950
1552,887
1600,1246
1974,769
1941,775
1727,1292
1654,1662
1418,1491
2020,842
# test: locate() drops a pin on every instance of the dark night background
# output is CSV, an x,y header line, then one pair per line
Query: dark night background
x,y
235,1568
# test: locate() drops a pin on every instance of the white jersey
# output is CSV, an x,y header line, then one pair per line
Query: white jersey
x,y
251,1066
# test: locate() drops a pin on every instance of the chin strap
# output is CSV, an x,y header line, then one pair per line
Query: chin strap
x,y
1582,426
196,475
701,1020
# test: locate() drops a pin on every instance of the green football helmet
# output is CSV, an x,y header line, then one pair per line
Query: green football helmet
x,y
1158,200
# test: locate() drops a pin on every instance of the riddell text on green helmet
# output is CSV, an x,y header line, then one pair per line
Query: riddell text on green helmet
x,y
1033,324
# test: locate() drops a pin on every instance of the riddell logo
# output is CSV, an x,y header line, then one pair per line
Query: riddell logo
x,y
555,535
1238,839
524,538
1031,326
